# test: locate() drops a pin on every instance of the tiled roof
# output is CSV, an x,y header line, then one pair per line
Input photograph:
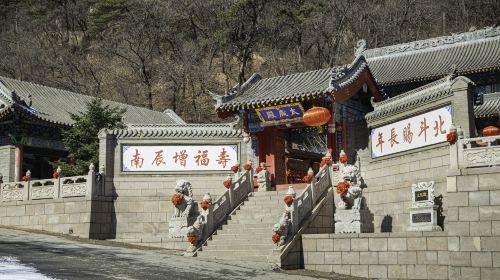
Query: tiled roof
x,y
178,131
54,105
417,97
293,87
464,53
490,106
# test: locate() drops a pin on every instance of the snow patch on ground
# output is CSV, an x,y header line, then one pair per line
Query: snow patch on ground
x,y
11,268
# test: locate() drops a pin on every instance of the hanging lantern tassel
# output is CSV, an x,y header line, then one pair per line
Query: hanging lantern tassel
x,y
316,116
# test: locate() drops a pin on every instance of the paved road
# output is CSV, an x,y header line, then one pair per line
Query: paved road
x,y
60,258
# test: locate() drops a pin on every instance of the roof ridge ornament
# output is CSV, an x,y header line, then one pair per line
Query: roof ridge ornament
x,y
433,42
360,47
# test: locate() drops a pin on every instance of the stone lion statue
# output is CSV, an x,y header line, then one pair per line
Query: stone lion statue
x,y
185,209
281,228
350,187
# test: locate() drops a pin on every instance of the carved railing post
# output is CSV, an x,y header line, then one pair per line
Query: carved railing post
x,y
209,216
27,186
231,191
57,183
293,209
91,181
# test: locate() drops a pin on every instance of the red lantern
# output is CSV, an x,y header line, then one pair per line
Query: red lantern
x,y
227,184
342,188
247,167
288,200
490,131
191,239
56,175
204,204
316,116
343,158
276,237
451,137
177,199
308,179
25,178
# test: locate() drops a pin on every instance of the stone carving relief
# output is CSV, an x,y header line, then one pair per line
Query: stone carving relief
x,y
12,195
422,194
486,156
79,189
423,213
42,192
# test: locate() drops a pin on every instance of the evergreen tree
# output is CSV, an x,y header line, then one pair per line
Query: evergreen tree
x,y
82,141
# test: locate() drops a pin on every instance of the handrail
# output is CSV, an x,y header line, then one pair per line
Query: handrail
x,y
74,186
218,211
302,206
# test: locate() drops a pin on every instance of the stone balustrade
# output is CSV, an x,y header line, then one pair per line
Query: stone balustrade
x,y
76,186
475,152
302,206
219,210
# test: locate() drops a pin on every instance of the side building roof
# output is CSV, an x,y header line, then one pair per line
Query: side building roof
x,y
463,53
427,94
54,105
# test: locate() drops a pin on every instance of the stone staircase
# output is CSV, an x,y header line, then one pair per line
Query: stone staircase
x,y
247,234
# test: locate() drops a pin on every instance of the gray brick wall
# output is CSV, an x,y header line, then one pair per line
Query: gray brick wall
x,y
412,255
474,224
142,206
53,215
388,192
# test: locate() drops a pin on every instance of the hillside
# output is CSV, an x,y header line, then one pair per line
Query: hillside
x,y
167,54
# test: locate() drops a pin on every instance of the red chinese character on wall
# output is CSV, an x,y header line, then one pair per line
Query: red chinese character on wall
x,y
380,141
158,158
423,129
438,128
223,158
181,157
392,139
202,158
137,160
407,134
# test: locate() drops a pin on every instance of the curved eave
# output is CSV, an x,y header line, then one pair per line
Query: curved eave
x,y
274,101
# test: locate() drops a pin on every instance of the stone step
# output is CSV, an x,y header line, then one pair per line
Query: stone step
x,y
249,220
236,252
255,216
271,193
240,236
263,208
265,240
248,226
238,246
240,230
252,258
269,203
